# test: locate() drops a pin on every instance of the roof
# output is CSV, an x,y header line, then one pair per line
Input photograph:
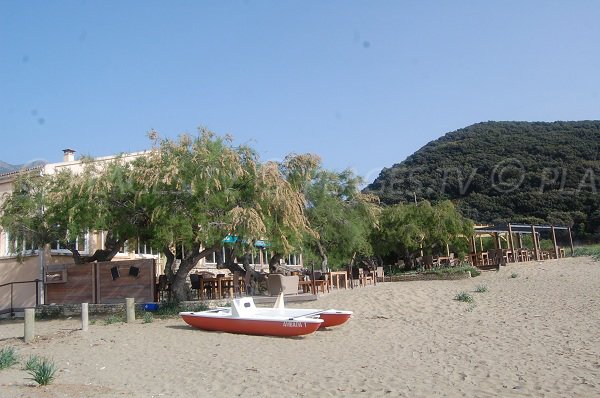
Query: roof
x,y
523,228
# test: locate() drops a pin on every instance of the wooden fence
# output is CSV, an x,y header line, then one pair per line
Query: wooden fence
x,y
100,283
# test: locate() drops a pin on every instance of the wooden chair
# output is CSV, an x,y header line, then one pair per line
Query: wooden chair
x,y
353,276
366,277
163,287
195,284
429,262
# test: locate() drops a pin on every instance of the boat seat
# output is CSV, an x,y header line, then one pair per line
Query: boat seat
x,y
243,307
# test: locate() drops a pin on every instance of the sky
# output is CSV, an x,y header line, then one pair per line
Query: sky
x,y
362,84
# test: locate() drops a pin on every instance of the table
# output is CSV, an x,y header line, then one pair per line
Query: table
x,y
215,286
337,275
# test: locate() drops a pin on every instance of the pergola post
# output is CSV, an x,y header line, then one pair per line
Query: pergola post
x,y
554,243
536,253
520,240
511,244
497,244
571,242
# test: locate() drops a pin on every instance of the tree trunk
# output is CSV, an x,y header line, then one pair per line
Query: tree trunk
x,y
323,255
179,281
99,255
170,256
274,262
251,277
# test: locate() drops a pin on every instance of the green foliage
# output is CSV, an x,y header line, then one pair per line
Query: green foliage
x,y
8,357
148,317
43,371
113,318
497,172
169,310
591,250
454,270
49,312
481,289
514,275
32,362
464,297
341,216
406,228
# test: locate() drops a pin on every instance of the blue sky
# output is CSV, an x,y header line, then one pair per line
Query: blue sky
x,y
363,84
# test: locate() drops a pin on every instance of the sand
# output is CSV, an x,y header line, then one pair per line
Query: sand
x,y
536,334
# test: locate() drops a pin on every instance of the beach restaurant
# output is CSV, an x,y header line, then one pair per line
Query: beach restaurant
x,y
509,247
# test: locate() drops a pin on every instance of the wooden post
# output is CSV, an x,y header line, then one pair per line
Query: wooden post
x,y
236,284
29,324
520,240
84,317
130,309
554,243
511,243
571,243
496,241
536,253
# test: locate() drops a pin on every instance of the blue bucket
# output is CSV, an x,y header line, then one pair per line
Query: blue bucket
x,y
151,307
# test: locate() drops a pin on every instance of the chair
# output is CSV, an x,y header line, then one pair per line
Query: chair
x,y
196,284
366,277
452,261
354,276
277,283
163,287
492,260
320,282
236,284
207,286
379,274
429,262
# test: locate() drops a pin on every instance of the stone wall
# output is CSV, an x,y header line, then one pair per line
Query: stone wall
x,y
430,277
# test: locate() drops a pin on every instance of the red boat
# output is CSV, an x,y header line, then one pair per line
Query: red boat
x,y
244,318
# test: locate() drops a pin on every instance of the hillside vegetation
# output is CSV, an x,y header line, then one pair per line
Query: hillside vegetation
x,y
497,172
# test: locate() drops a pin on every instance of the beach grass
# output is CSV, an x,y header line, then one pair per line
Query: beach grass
x,y
148,317
8,357
591,250
43,371
481,288
32,362
113,318
514,275
464,297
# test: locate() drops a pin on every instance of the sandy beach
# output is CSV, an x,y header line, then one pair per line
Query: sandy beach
x,y
533,335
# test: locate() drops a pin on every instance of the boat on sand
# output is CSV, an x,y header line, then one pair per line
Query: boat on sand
x,y
245,318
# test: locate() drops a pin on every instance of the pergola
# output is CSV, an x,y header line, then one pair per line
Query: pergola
x,y
517,230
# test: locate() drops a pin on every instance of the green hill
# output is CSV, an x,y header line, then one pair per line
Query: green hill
x,y
495,172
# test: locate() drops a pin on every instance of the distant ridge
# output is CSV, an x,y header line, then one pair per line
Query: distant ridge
x,y
9,168
535,172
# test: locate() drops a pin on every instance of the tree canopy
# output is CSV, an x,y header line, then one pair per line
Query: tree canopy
x,y
342,216
408,228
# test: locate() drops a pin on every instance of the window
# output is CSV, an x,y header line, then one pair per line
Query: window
x,y
82,244
144,248
27,247
211,258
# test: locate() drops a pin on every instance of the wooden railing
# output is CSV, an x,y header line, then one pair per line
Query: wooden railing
x,y
12,309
